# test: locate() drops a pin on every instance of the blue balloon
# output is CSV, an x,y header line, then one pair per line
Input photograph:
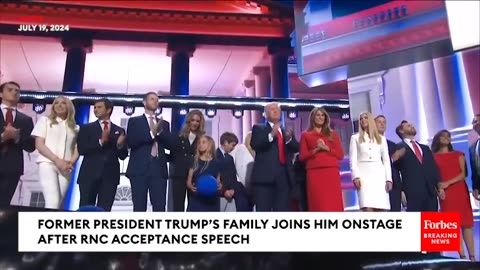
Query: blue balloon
x,y
207,185
90,208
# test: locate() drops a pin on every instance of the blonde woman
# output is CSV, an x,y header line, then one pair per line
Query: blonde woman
x,y
56,140
370,166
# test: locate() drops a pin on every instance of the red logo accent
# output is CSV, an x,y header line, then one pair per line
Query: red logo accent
x,y
440,232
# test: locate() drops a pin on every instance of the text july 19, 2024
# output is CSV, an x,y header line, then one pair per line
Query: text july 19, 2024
x,y
188,231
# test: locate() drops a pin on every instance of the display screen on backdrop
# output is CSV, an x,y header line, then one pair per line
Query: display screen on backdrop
x,y
325,42
464,23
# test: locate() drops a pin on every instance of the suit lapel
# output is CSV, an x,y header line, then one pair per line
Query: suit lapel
x,y
99,128
2,121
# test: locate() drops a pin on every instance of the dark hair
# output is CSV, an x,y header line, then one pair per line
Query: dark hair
x,y
380,116
2,86
148,94
399,128
228,137
107,102
436,141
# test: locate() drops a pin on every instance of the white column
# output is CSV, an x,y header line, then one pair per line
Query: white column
x,y
262,89
247,115
444,74
427,88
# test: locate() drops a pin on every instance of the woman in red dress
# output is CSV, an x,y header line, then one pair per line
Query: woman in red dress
x,y
321,150
452,167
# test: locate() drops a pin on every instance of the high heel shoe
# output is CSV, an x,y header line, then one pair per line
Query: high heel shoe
x,y
472,258
463,257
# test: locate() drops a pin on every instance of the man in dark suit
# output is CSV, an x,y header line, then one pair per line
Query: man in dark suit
x,y
420,174
475,159
148,137
101,143
272,174
232,189
16,129
396,193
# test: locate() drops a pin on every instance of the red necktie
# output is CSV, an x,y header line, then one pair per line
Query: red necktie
x,y
281,150
417,151
9,116
105,125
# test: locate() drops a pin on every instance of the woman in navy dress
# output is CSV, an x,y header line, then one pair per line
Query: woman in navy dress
x,y
204,164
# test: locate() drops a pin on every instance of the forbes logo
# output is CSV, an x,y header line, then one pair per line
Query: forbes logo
x,y
440,232
441,225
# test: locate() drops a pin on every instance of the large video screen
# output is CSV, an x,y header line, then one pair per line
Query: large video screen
x,y
326,41
464,22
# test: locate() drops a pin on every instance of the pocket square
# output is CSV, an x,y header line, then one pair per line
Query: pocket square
x,y
117,132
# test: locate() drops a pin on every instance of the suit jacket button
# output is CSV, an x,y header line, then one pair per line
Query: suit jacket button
x,y
183,147
369,157
185,154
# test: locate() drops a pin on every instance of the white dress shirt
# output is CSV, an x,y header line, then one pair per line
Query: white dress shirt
x,y
270,137
59,138
4,111
409,143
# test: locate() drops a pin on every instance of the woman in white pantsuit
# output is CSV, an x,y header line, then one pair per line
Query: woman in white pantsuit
x,y
56,142
370,166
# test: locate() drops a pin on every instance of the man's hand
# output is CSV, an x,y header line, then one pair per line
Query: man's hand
x,y
121,139
228,194
398,154
288,135
476,194
105,136
404,199
10,133
275,129
441,194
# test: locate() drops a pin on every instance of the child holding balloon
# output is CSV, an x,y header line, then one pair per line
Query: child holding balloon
x,y
203,180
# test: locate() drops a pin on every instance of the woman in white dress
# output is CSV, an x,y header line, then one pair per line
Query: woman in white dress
x,y
56,142
370,166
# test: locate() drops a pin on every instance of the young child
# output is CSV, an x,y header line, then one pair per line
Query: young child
x,y
204,164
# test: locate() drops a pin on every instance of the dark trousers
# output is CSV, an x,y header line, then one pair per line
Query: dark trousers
x,y
179,190
8,185
426,203
275,196
242,198
100,192
396,199
151,183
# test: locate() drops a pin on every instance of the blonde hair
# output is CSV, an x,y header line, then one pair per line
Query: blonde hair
x,y
326,129
210,151
372,129
185,131
70,113
247,141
